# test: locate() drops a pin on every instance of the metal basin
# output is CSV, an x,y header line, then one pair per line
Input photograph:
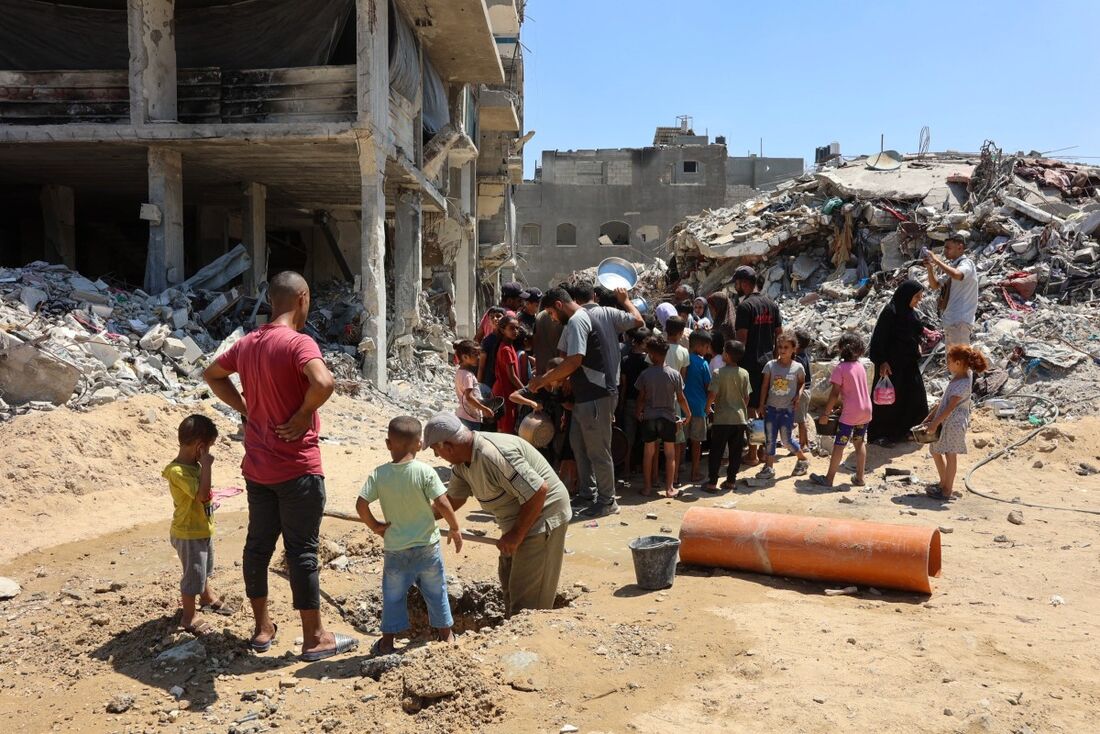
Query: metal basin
x,y
614,272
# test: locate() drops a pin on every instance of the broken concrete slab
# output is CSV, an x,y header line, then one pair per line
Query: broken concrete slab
x,y
29,374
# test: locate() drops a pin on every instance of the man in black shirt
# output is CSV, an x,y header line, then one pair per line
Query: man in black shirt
x,y
757,322
531,300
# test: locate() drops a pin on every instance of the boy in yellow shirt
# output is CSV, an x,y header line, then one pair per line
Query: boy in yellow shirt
x,y
192,524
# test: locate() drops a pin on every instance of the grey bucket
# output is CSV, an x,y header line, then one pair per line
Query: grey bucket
x,y
655,560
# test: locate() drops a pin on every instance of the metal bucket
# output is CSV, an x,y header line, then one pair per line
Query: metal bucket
x,y
615,272
537,429
640,303
655,560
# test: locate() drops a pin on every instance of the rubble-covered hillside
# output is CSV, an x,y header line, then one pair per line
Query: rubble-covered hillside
x,y
830,246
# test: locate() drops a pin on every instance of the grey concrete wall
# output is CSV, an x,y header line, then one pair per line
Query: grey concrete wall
x,y
571,193
761,173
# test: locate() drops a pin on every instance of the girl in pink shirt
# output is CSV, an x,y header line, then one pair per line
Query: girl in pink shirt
x,y
849,384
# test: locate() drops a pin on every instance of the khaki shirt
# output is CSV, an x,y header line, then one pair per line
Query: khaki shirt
x,y
504,473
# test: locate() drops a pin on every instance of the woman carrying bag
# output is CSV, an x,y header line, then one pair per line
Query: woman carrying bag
x,y
895,351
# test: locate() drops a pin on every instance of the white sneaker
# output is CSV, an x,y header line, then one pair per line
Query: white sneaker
x,y
766,473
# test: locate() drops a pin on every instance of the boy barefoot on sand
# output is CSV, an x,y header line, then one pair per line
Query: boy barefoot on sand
x,y
849,384
192,520
659,389
411,495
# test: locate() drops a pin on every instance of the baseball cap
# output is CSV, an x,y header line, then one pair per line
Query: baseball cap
x,y
744,272
531,294
441,427
511,290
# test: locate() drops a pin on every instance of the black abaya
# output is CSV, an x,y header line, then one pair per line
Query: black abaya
x,y
896,341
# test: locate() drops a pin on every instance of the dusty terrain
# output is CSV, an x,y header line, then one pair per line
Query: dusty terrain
x,y
991,650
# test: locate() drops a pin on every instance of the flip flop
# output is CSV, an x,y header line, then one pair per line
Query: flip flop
x,y
344,643
264,646
712,488
729,485
820,480
936,492
218,607
198,630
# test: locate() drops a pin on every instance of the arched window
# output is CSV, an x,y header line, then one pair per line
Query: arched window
x,y
567,235
530,235
617,232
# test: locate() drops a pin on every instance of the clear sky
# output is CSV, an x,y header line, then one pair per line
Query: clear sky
x,y
604,73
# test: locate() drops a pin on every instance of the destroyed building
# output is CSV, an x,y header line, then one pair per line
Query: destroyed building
x,y
830,247
587,205
369,144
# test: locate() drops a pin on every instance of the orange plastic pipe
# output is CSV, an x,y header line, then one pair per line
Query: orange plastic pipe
x,y
847,551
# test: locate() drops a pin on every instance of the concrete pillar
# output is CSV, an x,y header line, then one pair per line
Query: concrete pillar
x,y
466,316
408,261
372,75
164,261
255,235
59,224
372,262
152,36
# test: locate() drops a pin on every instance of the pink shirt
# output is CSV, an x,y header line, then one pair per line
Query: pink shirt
x,y
270,362
464,380
852,378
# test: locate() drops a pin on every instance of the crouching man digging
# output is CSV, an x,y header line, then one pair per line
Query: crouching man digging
x,y
511,480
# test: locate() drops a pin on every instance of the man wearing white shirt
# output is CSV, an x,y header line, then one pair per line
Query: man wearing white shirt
x,y
958,286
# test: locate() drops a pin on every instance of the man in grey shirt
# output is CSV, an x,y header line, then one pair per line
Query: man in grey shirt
x,y
610,323
585,364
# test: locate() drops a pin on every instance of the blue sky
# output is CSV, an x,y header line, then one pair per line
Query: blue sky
x,y
604,73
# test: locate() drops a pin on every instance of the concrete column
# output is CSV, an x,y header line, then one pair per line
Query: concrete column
x,y
372,65
59,224
255,235
408,261
152,36
372,75
164,262
372,251
466,316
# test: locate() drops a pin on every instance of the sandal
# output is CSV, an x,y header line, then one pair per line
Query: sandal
x,y
218,607
198,630
343,643
264,646
712,488
935,491
729,484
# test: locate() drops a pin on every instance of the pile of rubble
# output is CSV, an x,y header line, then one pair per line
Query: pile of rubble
x,y
830,246
69,340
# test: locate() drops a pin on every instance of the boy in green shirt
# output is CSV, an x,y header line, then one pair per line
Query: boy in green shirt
x,y
412,496
192,524
728,400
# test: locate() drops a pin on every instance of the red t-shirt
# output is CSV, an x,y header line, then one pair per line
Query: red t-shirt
x,y
270,361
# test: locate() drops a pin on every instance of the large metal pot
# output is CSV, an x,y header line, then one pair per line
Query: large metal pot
x,y
537,429
615,272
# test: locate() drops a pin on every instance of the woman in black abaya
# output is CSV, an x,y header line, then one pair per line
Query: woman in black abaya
x,y
895,350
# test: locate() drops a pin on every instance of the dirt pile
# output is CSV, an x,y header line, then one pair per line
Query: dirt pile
x,y
475,606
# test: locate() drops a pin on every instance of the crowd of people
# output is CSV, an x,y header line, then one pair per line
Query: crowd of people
x,y
698,372
701,372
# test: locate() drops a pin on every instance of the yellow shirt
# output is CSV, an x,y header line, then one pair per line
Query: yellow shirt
x,y
191,519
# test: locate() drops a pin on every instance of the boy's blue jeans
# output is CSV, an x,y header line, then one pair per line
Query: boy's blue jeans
x,y
779,421
422,566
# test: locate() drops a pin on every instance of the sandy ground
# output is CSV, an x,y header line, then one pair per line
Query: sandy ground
x,y
720,651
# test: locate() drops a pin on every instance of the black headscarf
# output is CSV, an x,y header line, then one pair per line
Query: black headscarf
x,y
898,329
722,314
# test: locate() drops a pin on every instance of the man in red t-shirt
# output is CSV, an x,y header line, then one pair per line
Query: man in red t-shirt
x,y
284,381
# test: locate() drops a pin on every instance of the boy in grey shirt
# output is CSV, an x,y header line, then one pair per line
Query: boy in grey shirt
x,y
659,389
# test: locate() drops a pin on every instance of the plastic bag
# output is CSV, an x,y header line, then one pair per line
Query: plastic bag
x,y
884,392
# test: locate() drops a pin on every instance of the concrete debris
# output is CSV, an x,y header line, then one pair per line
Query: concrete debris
x,y
831,246
9,588
68,340
120,704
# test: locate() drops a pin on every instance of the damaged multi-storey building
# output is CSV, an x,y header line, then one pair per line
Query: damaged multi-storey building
x,y
372,142
587,205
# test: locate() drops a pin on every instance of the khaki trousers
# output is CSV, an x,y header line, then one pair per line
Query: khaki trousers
x,y
529,579
957,334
